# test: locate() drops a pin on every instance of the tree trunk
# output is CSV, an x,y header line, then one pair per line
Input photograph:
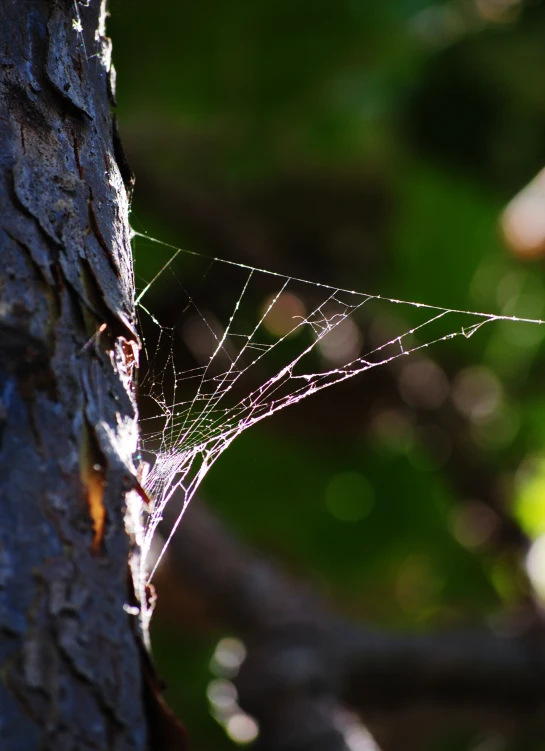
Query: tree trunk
x,y
72,668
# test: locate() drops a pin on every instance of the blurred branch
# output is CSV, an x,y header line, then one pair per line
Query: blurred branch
x,y
287,680
302,655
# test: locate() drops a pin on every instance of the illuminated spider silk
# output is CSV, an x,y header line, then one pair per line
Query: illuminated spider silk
x,y
308,335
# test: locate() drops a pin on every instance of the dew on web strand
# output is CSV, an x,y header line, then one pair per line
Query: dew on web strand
x,y
307,334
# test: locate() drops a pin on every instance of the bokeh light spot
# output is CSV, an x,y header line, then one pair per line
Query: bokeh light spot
x,y
473,524
535,565
283,317
392,430
423,384
349,497
228,656
222,695
242,728
417,584
530,495
342,344
497,430
523,221
477,393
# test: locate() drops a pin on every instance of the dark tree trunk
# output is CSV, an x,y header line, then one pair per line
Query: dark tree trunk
x,y
72,675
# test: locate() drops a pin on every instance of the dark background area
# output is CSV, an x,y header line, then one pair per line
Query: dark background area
x,y
374,146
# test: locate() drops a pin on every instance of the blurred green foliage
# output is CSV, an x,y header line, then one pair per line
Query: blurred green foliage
x,y
425,118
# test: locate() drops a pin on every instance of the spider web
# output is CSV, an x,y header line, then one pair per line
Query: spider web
x,y
284,339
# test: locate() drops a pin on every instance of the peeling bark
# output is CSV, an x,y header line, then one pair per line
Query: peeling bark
x,y
72,671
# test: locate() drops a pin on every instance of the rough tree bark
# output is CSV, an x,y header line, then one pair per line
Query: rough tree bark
x,y
72,666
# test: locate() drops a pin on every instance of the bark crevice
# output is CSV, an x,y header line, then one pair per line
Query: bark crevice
x,y
72,667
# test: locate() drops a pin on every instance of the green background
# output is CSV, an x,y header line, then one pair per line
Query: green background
x,y
374,146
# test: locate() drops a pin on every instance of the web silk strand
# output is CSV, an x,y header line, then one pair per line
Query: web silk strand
x,y
197,429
